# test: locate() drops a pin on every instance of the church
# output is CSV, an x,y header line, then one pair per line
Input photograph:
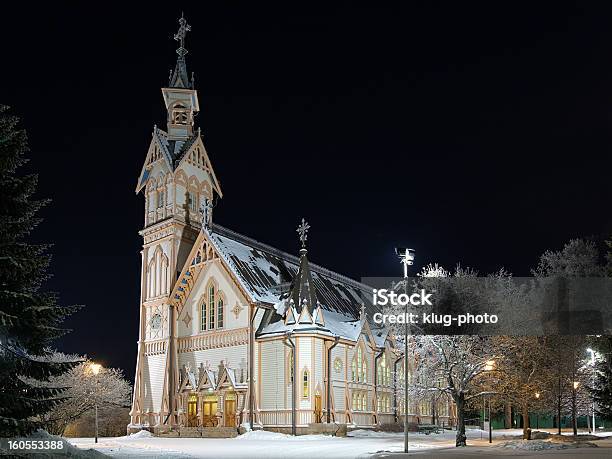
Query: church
x,y
234,332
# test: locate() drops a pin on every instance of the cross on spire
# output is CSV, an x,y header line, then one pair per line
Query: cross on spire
x,y
180,35
302,230
179,78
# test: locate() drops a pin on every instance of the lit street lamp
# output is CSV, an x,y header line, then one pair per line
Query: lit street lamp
x,y
489,366
574,420
537,396
95,369
593,383
406,257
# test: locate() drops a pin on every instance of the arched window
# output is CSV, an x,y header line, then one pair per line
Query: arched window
x,y
359,367
305,381
203,314
383,373
290,364
211,312
220,312
354,401
364,402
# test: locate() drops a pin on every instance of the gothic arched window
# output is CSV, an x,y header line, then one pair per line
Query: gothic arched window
x,y
211,301
203,310
220,312
383,372
359,367
305,381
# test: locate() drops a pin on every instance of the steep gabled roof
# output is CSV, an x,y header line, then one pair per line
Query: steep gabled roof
x,y
266,271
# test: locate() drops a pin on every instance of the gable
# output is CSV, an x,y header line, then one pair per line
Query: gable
x,y
189,153
203,267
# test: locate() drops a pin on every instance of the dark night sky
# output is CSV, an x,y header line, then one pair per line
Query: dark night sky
x,y
473,133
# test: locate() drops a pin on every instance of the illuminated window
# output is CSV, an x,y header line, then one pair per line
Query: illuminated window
x,y
384,372
359,367
203,315
220,313
211,301
305,384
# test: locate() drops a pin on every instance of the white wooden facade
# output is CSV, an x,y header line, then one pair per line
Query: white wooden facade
x,y
210,324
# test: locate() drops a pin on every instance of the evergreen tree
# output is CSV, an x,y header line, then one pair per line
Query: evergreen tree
x,y
30,318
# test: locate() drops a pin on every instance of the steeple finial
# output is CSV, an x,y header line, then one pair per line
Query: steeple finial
x,y
180,35
303,290
302,230
179,78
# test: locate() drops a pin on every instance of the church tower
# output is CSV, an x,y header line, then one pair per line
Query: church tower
x,y
179,187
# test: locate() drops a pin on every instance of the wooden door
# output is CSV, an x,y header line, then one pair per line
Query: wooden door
x,y
230,413
210,413
318,415
192,411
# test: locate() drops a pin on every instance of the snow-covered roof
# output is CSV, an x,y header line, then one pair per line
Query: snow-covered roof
x,y
266,272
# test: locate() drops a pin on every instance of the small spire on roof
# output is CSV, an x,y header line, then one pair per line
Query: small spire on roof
x,y
207,207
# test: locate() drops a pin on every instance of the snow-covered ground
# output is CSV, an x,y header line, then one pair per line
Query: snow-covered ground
x,y
270,445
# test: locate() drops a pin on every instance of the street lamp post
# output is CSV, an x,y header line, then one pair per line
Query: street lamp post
x,y
489,367
574,420
95,369
537,396
406,257
593,383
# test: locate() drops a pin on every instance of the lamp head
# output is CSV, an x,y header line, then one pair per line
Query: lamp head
x,y
405,255
95,368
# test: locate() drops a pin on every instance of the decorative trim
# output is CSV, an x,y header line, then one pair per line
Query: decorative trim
x,y
213,340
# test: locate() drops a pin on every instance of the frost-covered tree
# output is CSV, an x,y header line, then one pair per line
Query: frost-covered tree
x,y
454,365
108,389
30,318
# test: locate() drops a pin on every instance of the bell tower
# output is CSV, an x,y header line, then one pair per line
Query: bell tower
x,y
180,189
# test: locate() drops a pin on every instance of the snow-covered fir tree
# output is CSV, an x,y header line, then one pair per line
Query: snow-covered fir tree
x,y
30,318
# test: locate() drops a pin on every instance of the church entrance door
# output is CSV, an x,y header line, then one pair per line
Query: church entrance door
x,y
210,411
230,409
318,414
192,411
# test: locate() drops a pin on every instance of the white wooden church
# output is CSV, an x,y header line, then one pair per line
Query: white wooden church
x,y
234,331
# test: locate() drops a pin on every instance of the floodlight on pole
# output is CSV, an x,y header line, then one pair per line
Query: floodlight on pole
x,y
406,257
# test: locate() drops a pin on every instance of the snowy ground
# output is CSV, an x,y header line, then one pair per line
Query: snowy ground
x,y
360,444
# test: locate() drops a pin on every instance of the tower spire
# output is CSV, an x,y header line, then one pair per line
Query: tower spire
x,y
180,78
303,292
